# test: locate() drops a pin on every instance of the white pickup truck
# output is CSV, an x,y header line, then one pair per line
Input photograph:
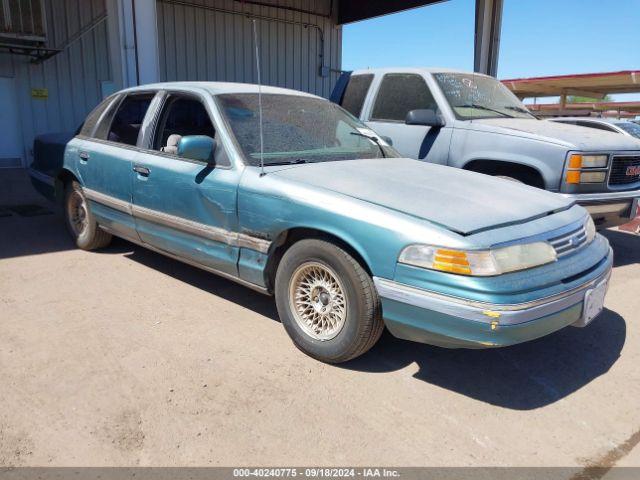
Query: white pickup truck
x,y
472,121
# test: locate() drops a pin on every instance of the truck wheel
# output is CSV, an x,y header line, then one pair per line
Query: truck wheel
x,y
511,179
80,221
327,302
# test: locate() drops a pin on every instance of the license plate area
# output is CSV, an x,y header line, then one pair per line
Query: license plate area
x,y
593,303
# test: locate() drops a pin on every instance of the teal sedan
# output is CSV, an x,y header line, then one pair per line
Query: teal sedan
x,y
290,195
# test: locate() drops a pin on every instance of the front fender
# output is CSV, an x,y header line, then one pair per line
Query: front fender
x,y
270,205
547,158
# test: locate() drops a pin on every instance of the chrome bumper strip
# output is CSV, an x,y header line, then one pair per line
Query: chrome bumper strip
x,y
216,234
43,177
504,314
602,197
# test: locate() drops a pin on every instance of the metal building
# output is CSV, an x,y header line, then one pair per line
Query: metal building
x,y
59,58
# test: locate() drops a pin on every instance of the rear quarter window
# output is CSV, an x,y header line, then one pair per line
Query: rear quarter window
x,y
92,119
356,93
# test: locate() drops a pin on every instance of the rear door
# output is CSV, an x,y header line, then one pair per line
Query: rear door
x,y
182,206
397,94
103,155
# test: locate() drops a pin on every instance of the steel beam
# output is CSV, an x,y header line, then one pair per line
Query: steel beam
x,y
487,36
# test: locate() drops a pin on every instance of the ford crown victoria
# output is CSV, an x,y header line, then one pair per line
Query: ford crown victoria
x,y
290,195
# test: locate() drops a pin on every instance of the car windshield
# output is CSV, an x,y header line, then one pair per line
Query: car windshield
x,y
477,96
631,128
298,129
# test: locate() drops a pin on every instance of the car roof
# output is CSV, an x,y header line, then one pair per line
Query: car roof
x,y
218,88
413,70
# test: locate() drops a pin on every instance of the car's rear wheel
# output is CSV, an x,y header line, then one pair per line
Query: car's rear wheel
x,y
80,221
327,302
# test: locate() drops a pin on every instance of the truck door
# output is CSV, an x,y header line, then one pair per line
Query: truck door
x,y
397,95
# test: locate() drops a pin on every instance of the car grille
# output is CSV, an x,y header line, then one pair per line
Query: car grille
x,y
619,168
569,242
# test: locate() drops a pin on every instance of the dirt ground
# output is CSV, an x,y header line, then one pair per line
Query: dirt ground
x,y
124,357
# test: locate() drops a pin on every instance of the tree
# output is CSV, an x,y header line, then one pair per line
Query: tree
x,y
578,99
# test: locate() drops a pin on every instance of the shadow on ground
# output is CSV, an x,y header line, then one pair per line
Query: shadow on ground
x,y
626,247
522,377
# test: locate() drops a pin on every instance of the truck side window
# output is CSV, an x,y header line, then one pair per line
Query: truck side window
x,y
124,126
356,93
399,93
90,122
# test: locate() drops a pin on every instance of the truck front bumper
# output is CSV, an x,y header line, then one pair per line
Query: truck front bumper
x,y
608,209
429,317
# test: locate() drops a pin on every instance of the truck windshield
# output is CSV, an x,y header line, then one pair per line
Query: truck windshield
x,y
298,129
477,96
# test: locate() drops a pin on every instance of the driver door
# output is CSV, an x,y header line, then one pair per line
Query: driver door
x,y
398,94
186,207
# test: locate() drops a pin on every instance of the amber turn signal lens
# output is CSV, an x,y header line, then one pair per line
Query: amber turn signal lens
x,y
573,176
575,161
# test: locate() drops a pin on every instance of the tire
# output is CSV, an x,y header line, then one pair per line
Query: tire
x,y
511,179
80,222
314,275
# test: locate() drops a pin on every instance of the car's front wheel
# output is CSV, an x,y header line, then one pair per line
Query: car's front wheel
x,y
80,221
327,302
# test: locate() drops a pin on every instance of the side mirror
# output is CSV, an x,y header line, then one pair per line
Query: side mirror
x,y
426,117
197,147
387,139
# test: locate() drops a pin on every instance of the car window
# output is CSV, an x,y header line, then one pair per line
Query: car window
x,y
87,128
631,128
182,116
124,126
356,93
297,129
400,93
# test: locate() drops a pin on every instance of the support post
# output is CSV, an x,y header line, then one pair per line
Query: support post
x,y
133,42
487,36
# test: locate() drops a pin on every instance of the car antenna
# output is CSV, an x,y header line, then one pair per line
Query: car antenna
x,y
255,39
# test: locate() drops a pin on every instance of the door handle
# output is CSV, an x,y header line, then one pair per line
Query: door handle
x,y
84,156
144,171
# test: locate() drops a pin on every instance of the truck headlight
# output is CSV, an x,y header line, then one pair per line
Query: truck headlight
x,y
481,263
579,166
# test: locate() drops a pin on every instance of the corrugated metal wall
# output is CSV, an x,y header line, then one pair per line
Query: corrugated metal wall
x,y
72,77
211,44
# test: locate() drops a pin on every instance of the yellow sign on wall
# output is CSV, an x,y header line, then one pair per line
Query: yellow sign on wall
x,y
42,93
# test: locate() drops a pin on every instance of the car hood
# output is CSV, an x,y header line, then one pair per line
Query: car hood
x,y
572,136
461,201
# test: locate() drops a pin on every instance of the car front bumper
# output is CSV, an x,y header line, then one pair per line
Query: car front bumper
x,y
429,317
608,209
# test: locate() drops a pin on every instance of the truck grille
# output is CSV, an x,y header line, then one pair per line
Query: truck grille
x,y
619,168
569,242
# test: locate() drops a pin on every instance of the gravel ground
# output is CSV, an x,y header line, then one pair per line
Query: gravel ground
x,y
124,357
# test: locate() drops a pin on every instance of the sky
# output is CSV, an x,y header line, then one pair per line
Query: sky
x,y
539,38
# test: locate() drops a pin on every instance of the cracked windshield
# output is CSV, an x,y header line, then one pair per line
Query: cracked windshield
x,y
476,96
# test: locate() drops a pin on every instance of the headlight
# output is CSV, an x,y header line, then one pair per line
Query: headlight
x,y
588,161
482,263
590,229
579,166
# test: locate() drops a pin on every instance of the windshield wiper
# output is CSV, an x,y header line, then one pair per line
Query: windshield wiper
x,y
288,162
519,109
373,139
484,107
